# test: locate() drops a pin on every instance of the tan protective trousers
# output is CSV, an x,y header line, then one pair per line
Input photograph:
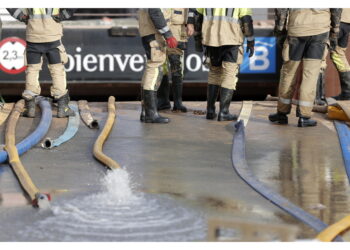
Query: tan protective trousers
x,y
311,70
153,73
58,75
224,75
57,72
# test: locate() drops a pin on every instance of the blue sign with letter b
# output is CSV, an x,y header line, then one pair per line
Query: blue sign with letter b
x,y
264,59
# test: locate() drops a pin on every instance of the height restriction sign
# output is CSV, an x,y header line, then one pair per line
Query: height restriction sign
x,y
12,55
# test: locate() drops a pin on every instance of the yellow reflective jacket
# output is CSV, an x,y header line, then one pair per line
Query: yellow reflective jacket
x,y
222,26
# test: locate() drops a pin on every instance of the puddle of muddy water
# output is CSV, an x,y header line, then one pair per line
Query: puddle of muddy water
x,y
116,213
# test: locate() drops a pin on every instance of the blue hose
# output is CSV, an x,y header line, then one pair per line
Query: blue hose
x,y
37,134
344,139
240,165
71,130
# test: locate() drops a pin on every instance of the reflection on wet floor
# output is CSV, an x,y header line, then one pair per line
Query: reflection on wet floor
x,y
314,183
309,170
184,169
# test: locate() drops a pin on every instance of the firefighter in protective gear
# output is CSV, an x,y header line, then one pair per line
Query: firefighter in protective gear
x,y
308,32
156,37
339,58
181,25
43,36
222,32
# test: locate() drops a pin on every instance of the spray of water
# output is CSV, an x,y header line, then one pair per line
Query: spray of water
x,y
117,188
117,213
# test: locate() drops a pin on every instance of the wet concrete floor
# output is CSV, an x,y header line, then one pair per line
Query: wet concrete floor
x,y
189,161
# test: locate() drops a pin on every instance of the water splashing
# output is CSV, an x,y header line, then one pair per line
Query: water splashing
x,y
117,213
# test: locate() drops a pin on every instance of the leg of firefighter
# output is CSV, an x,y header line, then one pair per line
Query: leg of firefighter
x,y
228,85
339,59
214,83
57,57
164,90
311,69
175,60
59,90
32,88
286,91
152,77
320,90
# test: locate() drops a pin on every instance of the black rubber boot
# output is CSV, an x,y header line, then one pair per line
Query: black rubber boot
x,y
177,94
150,104
29,107
63,108
163,94
225,101
345,86
320,93
279,117
142,115
212,96
306,122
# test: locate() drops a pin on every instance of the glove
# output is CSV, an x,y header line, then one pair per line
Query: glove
x,y
23,18
198,43
281,37
57,18
333,40
171,42
250,48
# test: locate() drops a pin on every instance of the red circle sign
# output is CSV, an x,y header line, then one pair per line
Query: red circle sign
x,y
12,55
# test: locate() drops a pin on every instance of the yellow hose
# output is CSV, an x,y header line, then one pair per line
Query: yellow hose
x,y
334,230
97,151
5,111
11,149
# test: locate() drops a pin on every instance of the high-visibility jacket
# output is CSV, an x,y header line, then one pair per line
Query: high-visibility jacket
x,y
41,27
222,26
155,22
308,22
345,15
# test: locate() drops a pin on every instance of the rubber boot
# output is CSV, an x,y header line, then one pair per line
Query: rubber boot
x,y
212,96
142,115
163,94
279,117
177,94
320,93
345,86
63,108
306,122
29,107
150,104
225,101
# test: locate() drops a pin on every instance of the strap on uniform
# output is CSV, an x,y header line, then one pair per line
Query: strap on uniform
x,y
49,11
209,11
229,12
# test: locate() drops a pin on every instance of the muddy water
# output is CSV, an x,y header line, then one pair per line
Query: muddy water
x,y
116,213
